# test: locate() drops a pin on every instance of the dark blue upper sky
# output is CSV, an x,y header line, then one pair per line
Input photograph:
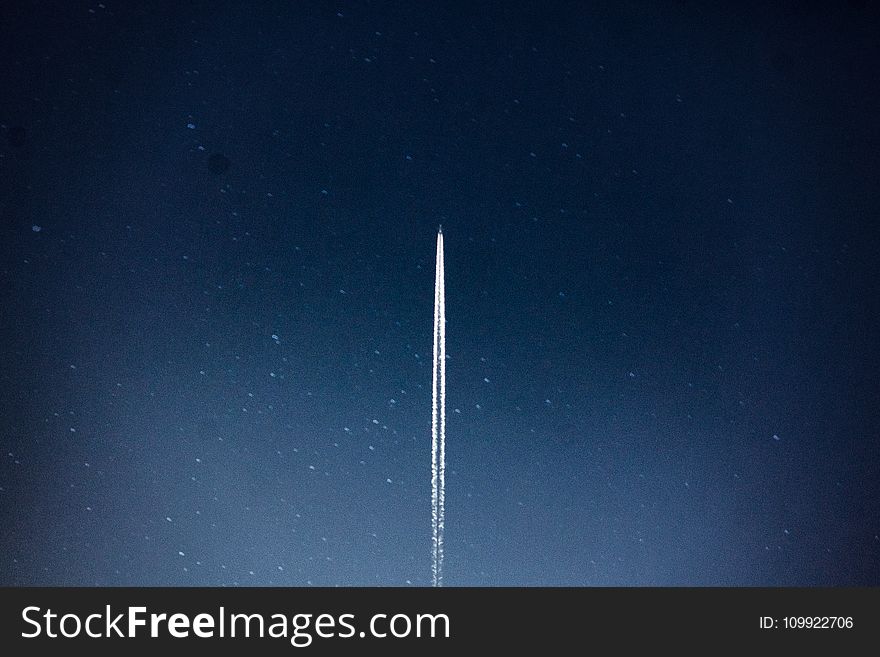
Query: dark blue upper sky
x,y
661,275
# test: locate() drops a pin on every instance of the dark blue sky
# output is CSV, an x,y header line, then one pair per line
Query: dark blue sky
x,y
662,292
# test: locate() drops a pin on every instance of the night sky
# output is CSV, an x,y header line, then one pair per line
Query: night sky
x,y
662,292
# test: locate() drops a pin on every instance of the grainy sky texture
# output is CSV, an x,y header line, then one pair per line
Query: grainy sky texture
x,y
662,294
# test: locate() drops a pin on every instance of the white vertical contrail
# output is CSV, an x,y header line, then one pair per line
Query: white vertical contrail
x,y
438,419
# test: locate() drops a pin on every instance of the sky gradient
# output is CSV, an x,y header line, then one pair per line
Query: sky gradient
x,y
219,223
